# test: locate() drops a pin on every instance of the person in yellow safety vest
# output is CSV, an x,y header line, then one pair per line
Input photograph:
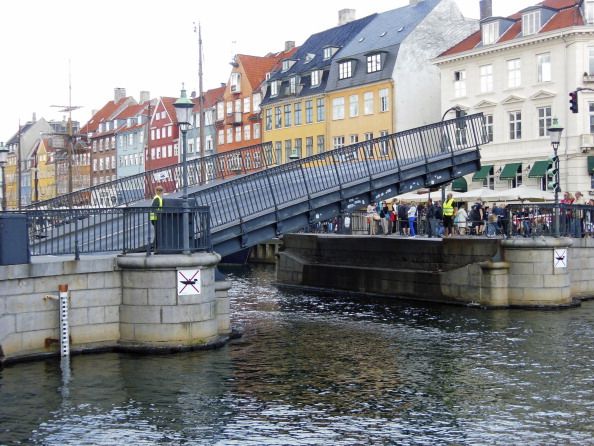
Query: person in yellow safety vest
x,y
448,215
153,216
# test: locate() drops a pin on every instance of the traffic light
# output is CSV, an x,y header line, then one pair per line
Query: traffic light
x,y
553,159
573,101
552,172
554,186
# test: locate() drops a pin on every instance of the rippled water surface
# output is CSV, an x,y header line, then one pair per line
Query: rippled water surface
x,y
325,370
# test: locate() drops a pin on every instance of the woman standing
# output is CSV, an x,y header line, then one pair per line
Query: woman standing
x,y
371,218
461,220
412,218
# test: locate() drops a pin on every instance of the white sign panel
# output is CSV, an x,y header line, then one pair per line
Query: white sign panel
x,y
560,258
188,282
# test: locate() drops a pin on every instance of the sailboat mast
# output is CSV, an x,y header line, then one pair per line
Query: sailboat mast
x,y
201,105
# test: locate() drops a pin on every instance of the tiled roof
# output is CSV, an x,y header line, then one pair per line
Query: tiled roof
x,y
566,13
256,67
211,97
104,114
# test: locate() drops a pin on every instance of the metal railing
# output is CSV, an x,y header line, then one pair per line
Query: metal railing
x,y
141,186
126,230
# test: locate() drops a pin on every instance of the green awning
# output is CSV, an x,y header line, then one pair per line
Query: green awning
x,y
459,185
539,169
510,171
591,165
483,173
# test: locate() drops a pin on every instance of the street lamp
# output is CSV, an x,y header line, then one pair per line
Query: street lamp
x,y
3,158
183,111
555,133
459,112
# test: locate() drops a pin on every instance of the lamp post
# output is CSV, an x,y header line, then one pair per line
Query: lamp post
x,y
458,110
3,157
183,111
555,133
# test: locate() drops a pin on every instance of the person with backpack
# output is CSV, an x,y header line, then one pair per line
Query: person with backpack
x,y
403,218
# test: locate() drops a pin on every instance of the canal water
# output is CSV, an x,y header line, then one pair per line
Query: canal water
x,y
325,370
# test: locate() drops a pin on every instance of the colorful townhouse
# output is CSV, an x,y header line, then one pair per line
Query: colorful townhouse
x,y
383,79
294,107
210,100
518,71
239,123
163,145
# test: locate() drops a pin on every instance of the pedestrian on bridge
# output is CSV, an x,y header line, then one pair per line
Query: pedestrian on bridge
x,y
412,219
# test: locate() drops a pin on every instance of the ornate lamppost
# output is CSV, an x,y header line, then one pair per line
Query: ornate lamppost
x,y
555,133
183,111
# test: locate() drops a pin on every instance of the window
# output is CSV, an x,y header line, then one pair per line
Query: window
x,y
591,61
368,103
545,120
591,110
329,52
170,151
489,181
246,104
374,63
268,119
277,118
338,142
486,74
345,69
297,113
460,83
321,110
589,14
515,125
384,143
337,108
220,110
321,143
237,106
229,135
315,78
297,150
288,149
384,100
309,146
288,120
354,138
293,85
308,112
274,88
543,62
257,99
488,128
256,131
530,23
353,105
247,132
514,73
490,33
235,82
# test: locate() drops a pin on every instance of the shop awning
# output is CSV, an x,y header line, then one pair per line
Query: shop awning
x,y
591,165
459,185
539,169
510,171
483,173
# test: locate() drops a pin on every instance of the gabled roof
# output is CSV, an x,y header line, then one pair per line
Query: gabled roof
x,y
15,138
255,67
104,114
336,37
169,108
566,13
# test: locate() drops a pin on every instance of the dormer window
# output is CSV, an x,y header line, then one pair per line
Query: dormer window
x,y
235,82
293,85
345,69
315,78
274,88
329,52
530,23
309,57
287,64
490,33
374,63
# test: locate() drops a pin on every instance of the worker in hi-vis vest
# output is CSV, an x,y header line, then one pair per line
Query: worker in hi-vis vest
x,y
448,215
154,216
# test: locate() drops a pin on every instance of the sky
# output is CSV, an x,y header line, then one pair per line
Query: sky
x,y
142,45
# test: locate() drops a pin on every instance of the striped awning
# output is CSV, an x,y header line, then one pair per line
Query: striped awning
x,y
539,169
483,173
510,171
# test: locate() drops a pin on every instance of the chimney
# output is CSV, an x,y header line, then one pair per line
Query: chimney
x,y
145,96
119,93
486,8
34,117
289,45
345,16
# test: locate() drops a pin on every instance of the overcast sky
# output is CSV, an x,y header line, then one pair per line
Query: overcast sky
x,y
145,45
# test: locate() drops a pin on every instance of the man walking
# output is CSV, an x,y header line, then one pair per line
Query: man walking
x,y
154,216
448,215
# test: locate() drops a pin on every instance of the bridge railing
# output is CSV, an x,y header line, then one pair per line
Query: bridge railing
x,y
132,229
278,187
141,186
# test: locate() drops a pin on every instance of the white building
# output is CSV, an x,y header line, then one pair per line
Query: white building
x,y
518,71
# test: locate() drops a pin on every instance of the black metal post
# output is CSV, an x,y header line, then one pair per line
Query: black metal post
x,y
3,187
557,185
185,205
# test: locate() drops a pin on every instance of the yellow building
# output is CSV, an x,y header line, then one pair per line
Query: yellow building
x,y
11,181
43,178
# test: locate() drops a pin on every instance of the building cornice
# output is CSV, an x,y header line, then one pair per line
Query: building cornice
x,y
575,32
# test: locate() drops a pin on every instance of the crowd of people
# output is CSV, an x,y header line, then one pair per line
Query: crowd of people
x,y
437,219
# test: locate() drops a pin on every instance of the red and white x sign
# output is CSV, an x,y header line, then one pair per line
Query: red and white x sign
x,y
188,282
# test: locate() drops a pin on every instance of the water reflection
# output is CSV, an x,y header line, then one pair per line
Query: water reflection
x,y
325,370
